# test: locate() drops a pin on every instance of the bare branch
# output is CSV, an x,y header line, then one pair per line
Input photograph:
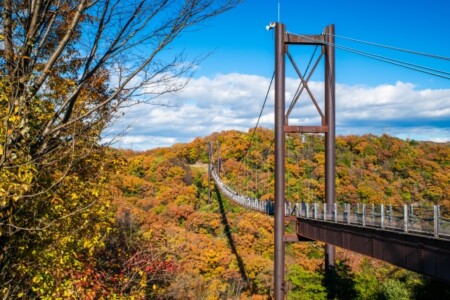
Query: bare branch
x,y
56,54
46,32
7,29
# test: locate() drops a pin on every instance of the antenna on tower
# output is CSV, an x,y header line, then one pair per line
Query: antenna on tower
x,y
278,11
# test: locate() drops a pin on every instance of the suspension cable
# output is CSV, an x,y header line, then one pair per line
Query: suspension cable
x,y
400,63
391,47
257,123
404,64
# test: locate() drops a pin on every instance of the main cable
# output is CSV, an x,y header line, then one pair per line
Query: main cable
x,y
257,123
391,47
393,61
377,56
404,64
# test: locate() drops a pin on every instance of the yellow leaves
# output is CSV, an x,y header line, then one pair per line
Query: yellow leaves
x,y
36,279
320,158
13,118
87,244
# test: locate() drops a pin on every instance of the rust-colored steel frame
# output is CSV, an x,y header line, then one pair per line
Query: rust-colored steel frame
x,y
282,41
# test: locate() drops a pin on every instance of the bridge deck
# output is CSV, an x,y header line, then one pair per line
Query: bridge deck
x,y
422,254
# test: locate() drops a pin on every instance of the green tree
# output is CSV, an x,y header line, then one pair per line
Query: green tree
x,y
339,282
393,289
366,284
305,285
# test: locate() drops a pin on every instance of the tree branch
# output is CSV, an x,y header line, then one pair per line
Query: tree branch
x,y
62,45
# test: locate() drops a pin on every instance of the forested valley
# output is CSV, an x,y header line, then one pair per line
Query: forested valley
x,y
220,250
154,233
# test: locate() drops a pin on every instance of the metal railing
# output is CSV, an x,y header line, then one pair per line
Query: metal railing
x,y
251,203
407,218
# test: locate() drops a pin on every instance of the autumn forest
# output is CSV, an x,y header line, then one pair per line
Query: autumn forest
x,y
220,250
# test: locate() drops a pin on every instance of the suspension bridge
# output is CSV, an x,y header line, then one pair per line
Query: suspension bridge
x,y
414,238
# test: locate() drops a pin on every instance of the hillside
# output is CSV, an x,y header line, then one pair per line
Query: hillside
x,y
184,246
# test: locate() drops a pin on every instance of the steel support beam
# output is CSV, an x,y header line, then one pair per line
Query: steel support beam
x,y
279,261
305,129
330,135
305,39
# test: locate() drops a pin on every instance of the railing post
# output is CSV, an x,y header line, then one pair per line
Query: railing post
x,y
411,215
357,213
364,214
436,218
307,210
382,216
315,210
348,213
390,213
405,217
324,211
335,211
372,213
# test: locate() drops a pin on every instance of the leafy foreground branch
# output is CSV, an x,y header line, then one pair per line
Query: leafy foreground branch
x,y
66,68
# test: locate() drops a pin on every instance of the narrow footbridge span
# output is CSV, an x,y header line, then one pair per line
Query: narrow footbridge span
x,y
414,238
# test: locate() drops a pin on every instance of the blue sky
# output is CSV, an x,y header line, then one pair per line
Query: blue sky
x,y
229,86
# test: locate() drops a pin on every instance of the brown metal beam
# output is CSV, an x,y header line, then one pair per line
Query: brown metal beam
x,y
291,237
305,129
330,136
305,39
279,261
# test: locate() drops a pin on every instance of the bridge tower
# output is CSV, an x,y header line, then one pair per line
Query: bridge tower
x,y
282,42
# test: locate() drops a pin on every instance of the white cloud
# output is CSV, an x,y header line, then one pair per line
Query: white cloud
x,y
234,101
